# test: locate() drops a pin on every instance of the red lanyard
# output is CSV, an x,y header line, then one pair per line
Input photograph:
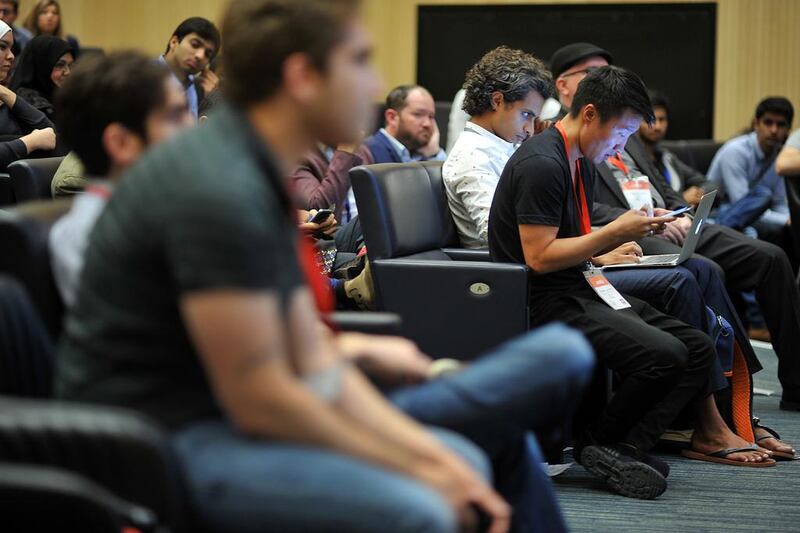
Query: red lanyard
x,y
617,161
578,191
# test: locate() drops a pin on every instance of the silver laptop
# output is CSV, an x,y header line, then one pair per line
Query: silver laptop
x,y
668,260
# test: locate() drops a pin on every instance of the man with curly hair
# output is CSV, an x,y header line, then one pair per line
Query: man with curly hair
x,y
504,93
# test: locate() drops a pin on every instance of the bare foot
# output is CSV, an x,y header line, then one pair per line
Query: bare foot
x,y
723,439
766,440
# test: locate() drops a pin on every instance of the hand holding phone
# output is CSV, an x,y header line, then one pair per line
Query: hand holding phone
x,y
321,216
678,212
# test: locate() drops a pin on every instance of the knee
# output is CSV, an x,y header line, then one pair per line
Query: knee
x,y
569,351
670,357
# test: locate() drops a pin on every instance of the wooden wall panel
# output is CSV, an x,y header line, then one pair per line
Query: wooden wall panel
x,y
758,44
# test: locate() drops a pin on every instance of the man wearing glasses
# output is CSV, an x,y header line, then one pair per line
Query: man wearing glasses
x,y
569,66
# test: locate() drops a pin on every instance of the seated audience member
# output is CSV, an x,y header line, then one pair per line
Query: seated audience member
x,y
9,11
410,132
116,108
194,309
541,217
570,64
504,116
45,19
788,161
744,170
40,70
17,117
190,50
322,180
682,178
70,177
748,264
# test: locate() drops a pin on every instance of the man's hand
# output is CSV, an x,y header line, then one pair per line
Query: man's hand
x,y
391,360
208,79
630,252
635,224
327,226
693,195
465,491
432,148
675,232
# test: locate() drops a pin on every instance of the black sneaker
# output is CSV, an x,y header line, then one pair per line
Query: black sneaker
x,y
622,473
790,405
650,460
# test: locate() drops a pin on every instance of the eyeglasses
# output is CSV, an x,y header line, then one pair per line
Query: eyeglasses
x,y
586,70
62,65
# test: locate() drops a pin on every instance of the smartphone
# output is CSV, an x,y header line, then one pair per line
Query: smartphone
x,y
678,211
321,216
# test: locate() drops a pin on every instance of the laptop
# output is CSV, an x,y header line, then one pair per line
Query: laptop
x,y
669,260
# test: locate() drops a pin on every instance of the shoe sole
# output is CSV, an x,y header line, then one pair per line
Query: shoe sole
x,y
631,479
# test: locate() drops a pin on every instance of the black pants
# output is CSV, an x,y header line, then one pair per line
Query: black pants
x,y
754,265
664,363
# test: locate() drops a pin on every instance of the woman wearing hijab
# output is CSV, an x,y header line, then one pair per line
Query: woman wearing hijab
x,y
41,68
23,128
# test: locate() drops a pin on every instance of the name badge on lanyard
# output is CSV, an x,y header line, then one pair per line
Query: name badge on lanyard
x,y
637,193
605,290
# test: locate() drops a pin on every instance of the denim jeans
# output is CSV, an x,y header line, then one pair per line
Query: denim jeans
x,y
533,382
241,484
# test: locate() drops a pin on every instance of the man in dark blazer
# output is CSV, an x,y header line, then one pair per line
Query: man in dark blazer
x,y
748,264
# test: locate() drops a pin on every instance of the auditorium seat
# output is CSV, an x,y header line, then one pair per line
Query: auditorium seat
x,y
31,178
449,307
696,153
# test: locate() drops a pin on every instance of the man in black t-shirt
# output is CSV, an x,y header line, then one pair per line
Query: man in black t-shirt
x,y
540,216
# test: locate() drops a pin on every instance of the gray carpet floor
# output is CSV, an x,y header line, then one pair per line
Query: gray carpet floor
x,y
702,497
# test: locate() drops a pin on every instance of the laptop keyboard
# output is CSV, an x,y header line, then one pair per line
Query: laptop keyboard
x,y
663,258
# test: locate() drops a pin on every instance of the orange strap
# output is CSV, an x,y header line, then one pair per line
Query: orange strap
x,y
578,191
617,161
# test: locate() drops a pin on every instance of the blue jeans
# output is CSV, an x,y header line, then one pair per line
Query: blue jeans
x,y
240,484
532,382
683,292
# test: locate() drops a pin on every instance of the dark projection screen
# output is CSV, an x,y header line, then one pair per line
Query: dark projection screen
x,y
671,46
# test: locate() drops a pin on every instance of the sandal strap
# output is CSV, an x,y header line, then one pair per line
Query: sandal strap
x,y
757,423
728,451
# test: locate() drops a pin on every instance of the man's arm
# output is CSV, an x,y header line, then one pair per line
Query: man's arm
x,y
545,252
788,162
253,359
475,189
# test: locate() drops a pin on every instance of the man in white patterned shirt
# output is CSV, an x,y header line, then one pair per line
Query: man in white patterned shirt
x,y
505,91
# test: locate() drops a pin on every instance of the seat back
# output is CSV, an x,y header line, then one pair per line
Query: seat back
x,y
118,449
26,353
25,255
31,178
449,234
400,216
697,153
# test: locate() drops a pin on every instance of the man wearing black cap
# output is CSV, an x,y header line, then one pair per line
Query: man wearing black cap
x,y
569,66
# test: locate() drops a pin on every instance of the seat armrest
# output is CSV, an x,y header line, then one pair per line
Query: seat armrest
x,y
468,254
454,308
373,322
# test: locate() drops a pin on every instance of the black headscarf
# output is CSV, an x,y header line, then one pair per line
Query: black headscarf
x,y
35,64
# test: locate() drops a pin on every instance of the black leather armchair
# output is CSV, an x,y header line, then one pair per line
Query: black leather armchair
x,y
31,178
793,198
450,307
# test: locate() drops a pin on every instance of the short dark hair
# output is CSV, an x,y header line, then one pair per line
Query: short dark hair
x,y
778,105
123,87
202,27
14,2
659,99
512,72
612,90
261,34
397,98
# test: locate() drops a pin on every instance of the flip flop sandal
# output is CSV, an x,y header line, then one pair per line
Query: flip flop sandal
x,y
721,457
788,456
